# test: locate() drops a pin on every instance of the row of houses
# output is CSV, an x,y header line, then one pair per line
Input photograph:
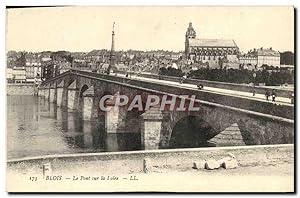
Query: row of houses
x,y
26,67
255,59
28,74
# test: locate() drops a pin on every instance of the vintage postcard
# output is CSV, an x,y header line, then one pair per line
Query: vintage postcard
x,y
150,99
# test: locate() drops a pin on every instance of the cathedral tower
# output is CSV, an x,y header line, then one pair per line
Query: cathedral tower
x,y
190,34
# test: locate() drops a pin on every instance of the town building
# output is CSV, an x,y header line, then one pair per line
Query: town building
x,y
33,68
256,58
217,53
19,74
176,56
16,72
9,75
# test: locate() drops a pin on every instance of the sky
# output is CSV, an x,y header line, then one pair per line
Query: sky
x,y
146,28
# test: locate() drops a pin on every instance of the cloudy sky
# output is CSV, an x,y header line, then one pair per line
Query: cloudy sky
x,y
146,28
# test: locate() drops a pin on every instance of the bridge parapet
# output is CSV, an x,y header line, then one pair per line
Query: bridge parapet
x,y
218,84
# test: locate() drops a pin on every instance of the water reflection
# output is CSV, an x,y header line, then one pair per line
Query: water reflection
x,y
38,127
122,141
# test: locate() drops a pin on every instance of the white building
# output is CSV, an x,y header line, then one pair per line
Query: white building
x,y
33,70
19,74
9,74
257,57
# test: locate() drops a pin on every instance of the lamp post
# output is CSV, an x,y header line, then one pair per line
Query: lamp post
x,y
254,76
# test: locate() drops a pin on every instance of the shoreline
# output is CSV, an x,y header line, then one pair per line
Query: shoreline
x,y
133,161
159,151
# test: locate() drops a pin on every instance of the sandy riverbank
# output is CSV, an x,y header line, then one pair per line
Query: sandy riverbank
x,y
261,168
271,177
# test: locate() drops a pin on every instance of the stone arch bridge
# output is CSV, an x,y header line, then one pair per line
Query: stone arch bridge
x,y
220,121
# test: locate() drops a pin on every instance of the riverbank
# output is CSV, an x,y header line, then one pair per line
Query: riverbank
x,y
261,168
272,177
21,89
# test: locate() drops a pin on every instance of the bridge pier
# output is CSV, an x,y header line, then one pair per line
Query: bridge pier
x,y
59,91
52,93
89,111
121,127
114,117
72,100
41,92
47,92
151,129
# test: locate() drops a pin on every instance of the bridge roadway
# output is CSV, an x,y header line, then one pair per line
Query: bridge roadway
x,y
248,95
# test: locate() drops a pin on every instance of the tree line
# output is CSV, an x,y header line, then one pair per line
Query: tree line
x,y
241,76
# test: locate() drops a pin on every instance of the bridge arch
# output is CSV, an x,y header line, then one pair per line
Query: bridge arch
x,y
82,89
191,131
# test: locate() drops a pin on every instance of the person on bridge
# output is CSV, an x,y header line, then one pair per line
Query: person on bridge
x,y
292,98
183,78
200,86
268,94
273,95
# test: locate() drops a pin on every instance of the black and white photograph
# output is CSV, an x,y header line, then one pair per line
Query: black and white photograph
x,y
150,99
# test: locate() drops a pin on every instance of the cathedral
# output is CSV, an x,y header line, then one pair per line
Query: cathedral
x,y
212,53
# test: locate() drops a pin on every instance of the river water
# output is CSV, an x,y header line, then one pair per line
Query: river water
x,y
37,127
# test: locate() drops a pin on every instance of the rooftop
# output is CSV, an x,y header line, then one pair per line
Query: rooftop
x,y
212,43
267,52
262,52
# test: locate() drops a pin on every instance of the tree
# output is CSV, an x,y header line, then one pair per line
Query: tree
x,y
287,58
244,76
170,72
